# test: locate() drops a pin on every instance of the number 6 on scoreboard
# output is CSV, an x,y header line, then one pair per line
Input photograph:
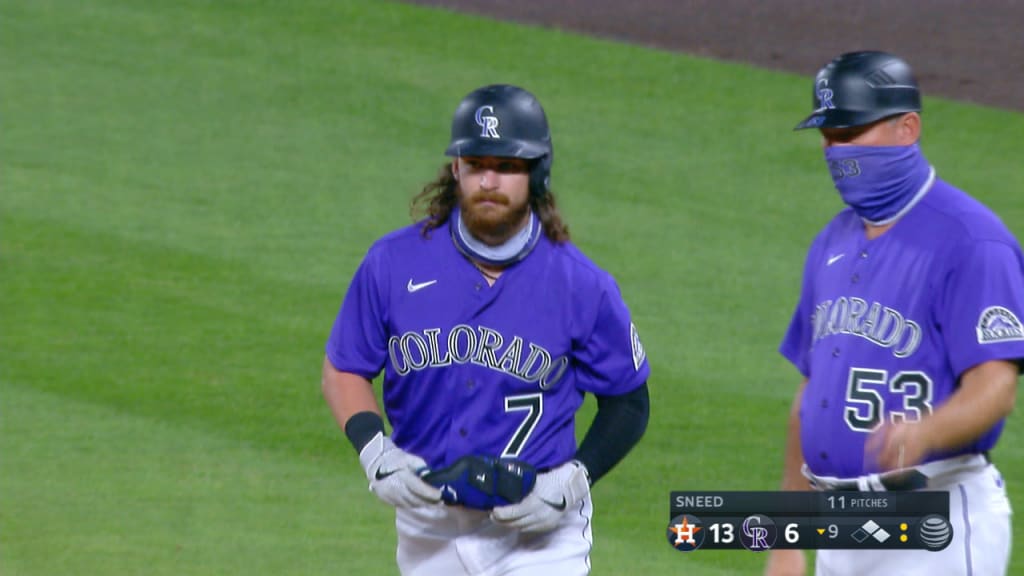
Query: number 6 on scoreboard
x,y
792,533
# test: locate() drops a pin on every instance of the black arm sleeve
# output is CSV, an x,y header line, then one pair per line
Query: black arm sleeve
x,y
618,425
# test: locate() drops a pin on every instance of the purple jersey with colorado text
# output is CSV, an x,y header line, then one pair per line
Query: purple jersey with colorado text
x,y
475,369
885,328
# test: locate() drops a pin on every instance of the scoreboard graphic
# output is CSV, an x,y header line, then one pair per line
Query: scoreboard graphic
x,y
760,521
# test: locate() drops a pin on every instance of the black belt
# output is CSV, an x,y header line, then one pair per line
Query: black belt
x,y
893,482
901,482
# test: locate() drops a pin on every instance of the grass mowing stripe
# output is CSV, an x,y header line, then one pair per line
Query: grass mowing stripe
x,y
101,491
175,336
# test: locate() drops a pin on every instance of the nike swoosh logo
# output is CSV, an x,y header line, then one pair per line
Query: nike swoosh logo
x,y
833,259
417,287
559,507
382,475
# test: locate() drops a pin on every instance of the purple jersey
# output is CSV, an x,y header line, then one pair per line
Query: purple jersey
x,y
475,369
885,328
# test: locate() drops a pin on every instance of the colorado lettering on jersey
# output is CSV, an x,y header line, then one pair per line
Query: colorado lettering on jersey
x,y
880,324
482,346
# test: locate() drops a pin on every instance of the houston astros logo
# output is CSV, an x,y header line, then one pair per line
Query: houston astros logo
x,y
685,533
488,124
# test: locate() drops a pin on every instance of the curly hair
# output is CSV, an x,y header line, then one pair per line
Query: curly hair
x,y
438,198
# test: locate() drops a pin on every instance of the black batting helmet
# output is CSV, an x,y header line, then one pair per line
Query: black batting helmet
x,y
508,122
859,88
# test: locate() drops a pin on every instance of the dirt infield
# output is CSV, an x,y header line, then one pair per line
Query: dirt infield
x,y
962,49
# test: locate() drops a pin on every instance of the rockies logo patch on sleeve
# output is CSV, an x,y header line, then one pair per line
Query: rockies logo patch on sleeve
x,y
638,348
997,324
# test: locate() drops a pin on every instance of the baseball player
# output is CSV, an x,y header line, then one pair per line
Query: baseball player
x,y
908,330
489,327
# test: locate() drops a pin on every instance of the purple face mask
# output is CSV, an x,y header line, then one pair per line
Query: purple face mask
x,y
880,183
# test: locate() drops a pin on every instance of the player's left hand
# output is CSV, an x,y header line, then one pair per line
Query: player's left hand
x,y
555,492
899,445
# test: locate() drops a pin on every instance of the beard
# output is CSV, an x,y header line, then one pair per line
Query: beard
x,y
492,218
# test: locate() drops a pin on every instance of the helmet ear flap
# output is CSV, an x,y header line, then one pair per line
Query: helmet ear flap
x,y
540,176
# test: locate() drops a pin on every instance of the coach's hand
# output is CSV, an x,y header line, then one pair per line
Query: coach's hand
x,y
393,474
555,492
899,445
786,563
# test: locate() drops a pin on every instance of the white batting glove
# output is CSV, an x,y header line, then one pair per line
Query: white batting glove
x,y
393,474
556,491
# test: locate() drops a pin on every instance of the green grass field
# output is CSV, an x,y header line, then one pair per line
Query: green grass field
x,y
187,187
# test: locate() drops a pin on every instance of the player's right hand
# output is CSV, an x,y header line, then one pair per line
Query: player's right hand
x,y
393,476
786,563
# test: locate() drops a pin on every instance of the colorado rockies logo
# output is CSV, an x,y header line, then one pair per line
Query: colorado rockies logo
x,y
488,124
998,324
825,95
638,349
759,533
